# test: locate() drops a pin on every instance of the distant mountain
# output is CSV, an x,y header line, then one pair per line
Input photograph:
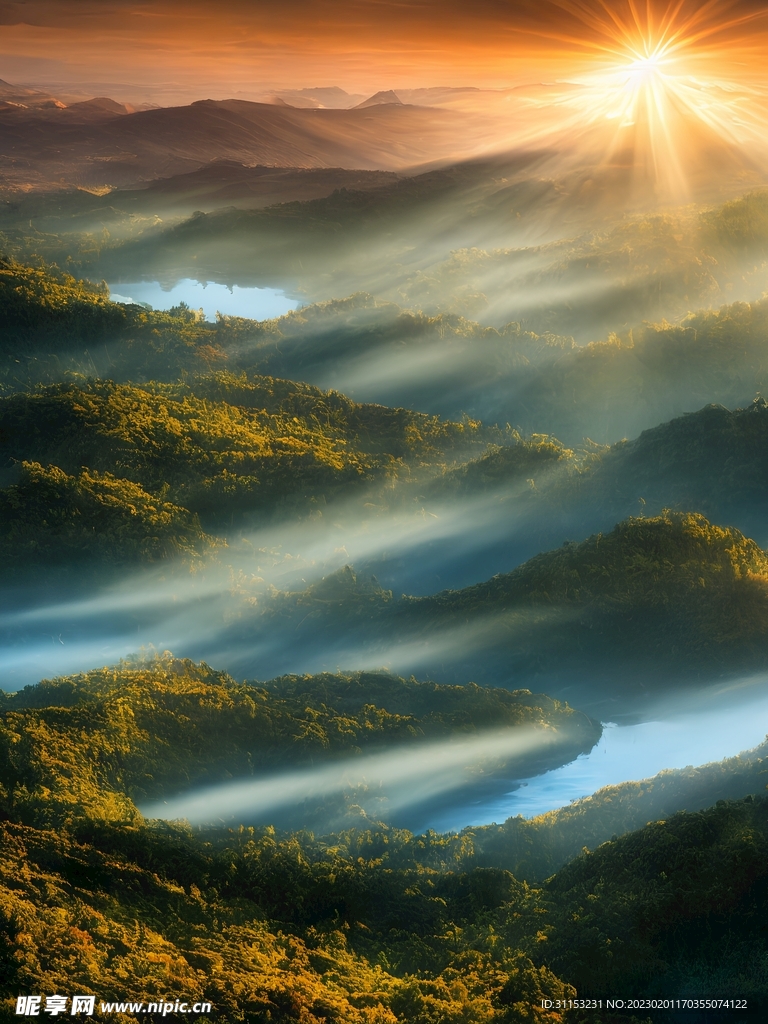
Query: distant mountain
x,y
331,97
125,149
439,95
38,99
17,97
100,105
388,96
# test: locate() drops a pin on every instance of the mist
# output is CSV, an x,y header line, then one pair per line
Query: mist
x,y
395,781
283,598
417,545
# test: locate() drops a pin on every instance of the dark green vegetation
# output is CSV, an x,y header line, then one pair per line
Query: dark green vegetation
x,y
713,461
624,610
501,465
218,456
141,461
671,578
51,520
534,848
370,925
109,461
44,310
697,888
154,729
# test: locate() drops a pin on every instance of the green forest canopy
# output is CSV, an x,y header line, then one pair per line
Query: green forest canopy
x,y
371,925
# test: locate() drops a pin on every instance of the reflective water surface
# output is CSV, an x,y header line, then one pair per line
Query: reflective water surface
x,y
212,298
721,723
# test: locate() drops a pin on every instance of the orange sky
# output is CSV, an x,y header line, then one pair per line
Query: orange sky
x,y
182,51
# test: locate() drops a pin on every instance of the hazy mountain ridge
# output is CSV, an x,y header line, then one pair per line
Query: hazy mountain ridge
x,y
173,140
449,364
496,240
711,461
223,183
617,387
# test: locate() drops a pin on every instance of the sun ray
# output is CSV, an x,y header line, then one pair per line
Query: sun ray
x,y
662,82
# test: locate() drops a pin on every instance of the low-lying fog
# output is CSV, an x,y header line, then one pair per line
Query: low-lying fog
x,y
448,786
207,616
403,778
556,254
416,547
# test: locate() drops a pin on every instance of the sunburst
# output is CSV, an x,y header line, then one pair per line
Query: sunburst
x,y
657,81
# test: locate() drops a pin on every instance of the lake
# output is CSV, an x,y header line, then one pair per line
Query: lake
x,y
212,298
719,723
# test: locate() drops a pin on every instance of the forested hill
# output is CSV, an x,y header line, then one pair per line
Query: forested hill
x,y
440,363
713,461
371,925
677,551
104,474
152,729
140,462
673,592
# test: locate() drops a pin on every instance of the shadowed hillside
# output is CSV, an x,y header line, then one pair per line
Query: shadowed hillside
x,y
609,620
167,726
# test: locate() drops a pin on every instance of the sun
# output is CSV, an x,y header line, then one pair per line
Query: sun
x,y
651,81
642,84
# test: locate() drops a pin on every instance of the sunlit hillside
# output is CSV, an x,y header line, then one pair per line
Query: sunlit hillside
x,y
371,923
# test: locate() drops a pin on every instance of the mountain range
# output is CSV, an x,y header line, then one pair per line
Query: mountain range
x,y
51,145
